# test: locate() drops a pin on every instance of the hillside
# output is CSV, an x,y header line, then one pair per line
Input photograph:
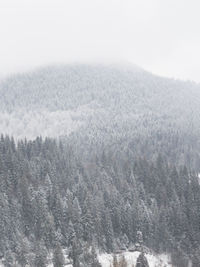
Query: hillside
x,y
90,156
50,197
99,106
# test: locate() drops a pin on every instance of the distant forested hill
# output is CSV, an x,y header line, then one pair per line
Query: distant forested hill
x,y
105,106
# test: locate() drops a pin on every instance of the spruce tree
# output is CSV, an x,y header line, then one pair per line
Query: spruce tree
x,y
58,257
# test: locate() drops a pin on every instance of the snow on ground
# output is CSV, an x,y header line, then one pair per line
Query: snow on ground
x,y
67,261
106,260
131,258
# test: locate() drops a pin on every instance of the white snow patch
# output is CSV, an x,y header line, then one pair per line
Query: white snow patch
x,y
198,175
31,124
67,260
106,260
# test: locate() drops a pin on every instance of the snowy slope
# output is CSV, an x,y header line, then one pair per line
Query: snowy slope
x,y
56,101
131,258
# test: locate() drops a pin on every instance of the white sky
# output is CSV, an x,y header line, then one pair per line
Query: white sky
x,y
162,36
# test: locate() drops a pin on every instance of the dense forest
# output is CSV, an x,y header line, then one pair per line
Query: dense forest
x,y
50,198
105,106
89,156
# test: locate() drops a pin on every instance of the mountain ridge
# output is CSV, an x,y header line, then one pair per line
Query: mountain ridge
x,y
103,104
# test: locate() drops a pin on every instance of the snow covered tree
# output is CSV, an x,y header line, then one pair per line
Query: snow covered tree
x,y
142,261
40,255
58,257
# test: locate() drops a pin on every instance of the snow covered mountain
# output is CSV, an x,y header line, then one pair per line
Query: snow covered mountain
x,y
104,104
126,161
76,95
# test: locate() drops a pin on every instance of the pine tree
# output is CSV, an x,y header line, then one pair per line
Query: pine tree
x,y
9,260
40,255
142,261
94,259
108,230
75,253
87,221
71,234
58,257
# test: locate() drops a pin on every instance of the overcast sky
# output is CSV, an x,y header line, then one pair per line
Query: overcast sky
x,y
160,36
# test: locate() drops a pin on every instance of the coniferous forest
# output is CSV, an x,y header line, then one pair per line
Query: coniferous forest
x,y
127,161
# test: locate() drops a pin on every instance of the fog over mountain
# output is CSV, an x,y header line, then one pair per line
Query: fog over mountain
x,y
100,104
